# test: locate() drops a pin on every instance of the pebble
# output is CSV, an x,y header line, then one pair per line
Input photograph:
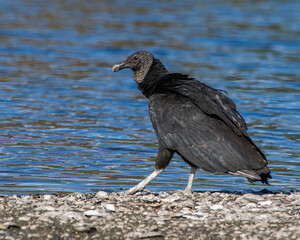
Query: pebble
x,y
188,203
24,218
192,217
51,214
149,198
265,203
83,227
297,202
252,197
250,205
150,235
109,207
72,198
33,227
90,213
46,208
147,215
11,225
47,197
101,194
263,217
216,207
171,199
73,215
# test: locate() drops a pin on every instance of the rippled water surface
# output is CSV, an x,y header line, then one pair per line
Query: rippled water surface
x,y
68,123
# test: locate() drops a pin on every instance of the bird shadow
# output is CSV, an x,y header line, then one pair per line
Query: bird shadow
x,y
259,192
234,192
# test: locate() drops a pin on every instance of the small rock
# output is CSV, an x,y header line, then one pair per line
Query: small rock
x,y
230,217
71,198
164,194
147,190
47,197
90,213
2,226
265,203
250,205
188,203
46,208
101,194
151,235
150,198
131,235
11,225
176,215
24,218
263,217
109,207
185,210
296,202
202,214
83,227
50,214
73,215
33,227
252,197
191,217
26,197
79,196
216,207
171,198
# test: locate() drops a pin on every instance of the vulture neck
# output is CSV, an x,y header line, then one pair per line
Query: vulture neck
x,y
151,79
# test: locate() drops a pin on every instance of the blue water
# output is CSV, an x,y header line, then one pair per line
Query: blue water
x,y
68,123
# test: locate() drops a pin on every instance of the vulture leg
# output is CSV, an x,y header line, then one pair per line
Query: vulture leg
x,y
164,156
143,183
188,188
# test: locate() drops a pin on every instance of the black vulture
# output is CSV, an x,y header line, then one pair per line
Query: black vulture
x,y
197,122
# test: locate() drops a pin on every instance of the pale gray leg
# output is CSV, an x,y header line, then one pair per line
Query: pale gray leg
x,y
188,188
139,187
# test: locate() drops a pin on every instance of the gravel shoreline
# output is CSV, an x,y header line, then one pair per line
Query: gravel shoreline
x,y
147,215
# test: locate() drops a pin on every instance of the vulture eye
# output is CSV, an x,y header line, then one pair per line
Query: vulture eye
x,y
135,58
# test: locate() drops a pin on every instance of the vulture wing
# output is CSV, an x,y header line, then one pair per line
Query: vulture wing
x,y
203,126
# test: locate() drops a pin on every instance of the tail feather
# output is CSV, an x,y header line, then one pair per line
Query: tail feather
x,y
255,175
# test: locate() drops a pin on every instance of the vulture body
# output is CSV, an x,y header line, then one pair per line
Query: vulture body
x,y
197,122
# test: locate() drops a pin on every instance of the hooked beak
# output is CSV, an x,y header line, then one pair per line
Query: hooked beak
x,y
119,66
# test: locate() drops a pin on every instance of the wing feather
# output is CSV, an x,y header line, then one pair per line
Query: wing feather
x,y
208,99
202,140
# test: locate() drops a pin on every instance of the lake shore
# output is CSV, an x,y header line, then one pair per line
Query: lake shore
x,y
147,215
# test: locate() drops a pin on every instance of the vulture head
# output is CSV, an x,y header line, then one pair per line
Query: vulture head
x,y
141,63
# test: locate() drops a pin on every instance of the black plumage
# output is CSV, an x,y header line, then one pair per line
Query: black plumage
x,y
197,122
